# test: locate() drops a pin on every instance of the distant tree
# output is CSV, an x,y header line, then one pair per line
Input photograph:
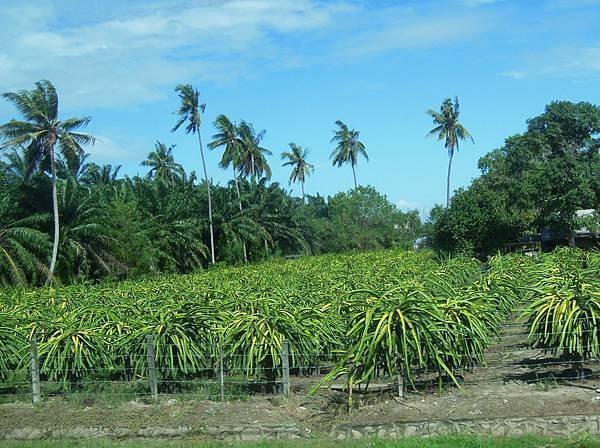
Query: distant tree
x,y
162,164
22,246
536,181
448,128
18,167
229,139
348,148
566,137
85,249
39,134
301,169
100,176
364,219
253,160
191,111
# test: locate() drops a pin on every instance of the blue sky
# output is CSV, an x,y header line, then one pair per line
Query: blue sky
x,y
293,67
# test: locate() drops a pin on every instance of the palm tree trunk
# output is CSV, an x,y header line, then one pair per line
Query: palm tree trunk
x,y
448,179
237,189
50,277
303,196
354,175
210,221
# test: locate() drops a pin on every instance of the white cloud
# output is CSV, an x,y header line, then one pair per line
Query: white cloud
x,y
106,149
402,29
563,62
117,62
121,54
406,205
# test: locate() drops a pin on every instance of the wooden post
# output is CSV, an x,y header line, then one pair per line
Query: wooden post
x,y
285,367
401,385
35,373
221,373
400,376
151,366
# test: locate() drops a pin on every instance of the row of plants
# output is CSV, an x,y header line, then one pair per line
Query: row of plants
x,y
373,313
563,317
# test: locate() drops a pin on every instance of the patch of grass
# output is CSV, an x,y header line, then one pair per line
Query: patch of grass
x,y
117,392
439,442
546,384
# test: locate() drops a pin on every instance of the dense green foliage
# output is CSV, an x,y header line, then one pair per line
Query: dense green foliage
x,y
389,311
564,316
118,228
108,227
536,181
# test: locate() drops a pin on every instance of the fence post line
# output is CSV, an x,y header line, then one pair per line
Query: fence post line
x,y
221,372
285,366
151,366
35,372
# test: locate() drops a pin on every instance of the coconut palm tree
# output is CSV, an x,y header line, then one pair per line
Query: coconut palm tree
x,y
253,160
228,138
348,148
162,164
448,128
301,168
40,133
191,111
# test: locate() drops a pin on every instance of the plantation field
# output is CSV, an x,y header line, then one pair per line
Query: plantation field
x,y
512,337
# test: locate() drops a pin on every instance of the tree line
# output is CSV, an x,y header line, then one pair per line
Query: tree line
x,y
535,182
64,219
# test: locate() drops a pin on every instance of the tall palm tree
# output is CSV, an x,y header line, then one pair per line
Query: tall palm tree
x,y
253,160
348,148
40,133
191,111
227,136
301,168
448,128
162,164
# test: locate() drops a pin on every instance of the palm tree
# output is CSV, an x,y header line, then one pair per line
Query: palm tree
x,y
162,164
252,161
100,176
348,148
18,167
86,243
301,168
40,133
21,246
227,137
191,111
448,128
